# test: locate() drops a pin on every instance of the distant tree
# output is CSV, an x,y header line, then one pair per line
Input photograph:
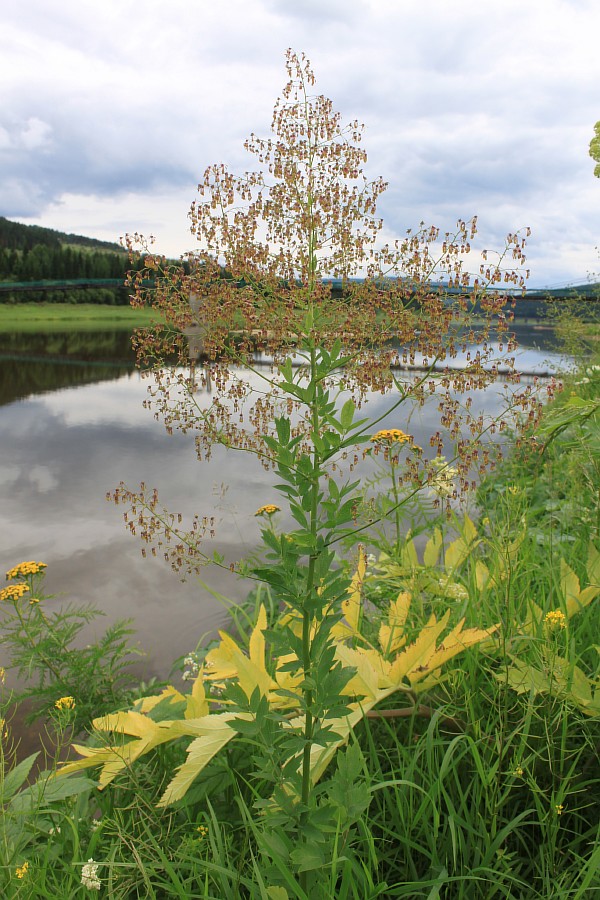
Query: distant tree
x,y
595,148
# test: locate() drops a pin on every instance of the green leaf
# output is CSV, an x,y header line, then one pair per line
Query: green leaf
x,y
347,414
308,857
16,777
45,791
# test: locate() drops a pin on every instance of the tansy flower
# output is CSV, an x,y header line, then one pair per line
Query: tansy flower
x,y
65,703
21,871
13,592
391,436
555,619
268,510
24,569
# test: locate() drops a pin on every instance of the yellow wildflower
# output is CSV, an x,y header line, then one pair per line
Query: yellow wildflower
x,y
268,510
24,569
65,703
391,436
202,831
555,619
518,772
21,871
13,592
558,809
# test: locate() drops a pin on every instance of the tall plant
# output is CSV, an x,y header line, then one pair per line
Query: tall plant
x,y
272,245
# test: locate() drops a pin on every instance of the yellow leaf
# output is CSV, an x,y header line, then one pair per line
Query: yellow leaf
x,y
219,661
432,548
534,617
351,606
391,637
257,639
457,641
482,575
370,670
569,583
197,704
418,654
169,692
593,566
215,734
408,554
468,529
129,722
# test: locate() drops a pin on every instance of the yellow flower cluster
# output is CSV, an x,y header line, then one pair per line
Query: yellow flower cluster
x,y
267,510
65,703
556,619
391,436
21,871
13,592
24,569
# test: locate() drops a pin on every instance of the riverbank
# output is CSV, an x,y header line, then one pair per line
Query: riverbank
x,y
35,317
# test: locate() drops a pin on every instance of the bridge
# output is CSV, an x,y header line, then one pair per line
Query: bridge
x,y
65,285
531,305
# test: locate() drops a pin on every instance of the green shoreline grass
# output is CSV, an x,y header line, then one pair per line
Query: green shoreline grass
x,y
66,316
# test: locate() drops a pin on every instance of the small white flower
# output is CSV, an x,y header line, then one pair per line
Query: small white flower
x,y
452,589
89,877
441,477
95,824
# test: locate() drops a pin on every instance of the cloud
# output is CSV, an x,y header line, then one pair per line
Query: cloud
x,y
469,107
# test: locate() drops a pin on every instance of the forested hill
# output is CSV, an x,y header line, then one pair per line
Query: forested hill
x,y
15,236
61,268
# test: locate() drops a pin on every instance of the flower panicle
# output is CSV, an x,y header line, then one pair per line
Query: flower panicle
x,y
391,436
555,619
13,592
21,871
268,510
24,569
89,876
65,703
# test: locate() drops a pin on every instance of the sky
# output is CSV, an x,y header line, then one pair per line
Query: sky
x,y
110,112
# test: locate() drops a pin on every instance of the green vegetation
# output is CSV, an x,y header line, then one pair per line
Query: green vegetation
x,y
595,149
35,317
483,785
408,704
15,236
29,253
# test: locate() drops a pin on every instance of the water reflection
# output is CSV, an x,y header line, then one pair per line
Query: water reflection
x,y
76,430
40,362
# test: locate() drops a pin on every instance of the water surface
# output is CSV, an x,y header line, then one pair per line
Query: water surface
x,y
72,426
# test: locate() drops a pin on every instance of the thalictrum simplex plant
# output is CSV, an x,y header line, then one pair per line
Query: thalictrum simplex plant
x,y
271,244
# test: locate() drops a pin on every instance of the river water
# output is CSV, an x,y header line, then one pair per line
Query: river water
x,y
72,426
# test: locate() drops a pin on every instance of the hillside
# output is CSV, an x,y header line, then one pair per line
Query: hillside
x,y
15,236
